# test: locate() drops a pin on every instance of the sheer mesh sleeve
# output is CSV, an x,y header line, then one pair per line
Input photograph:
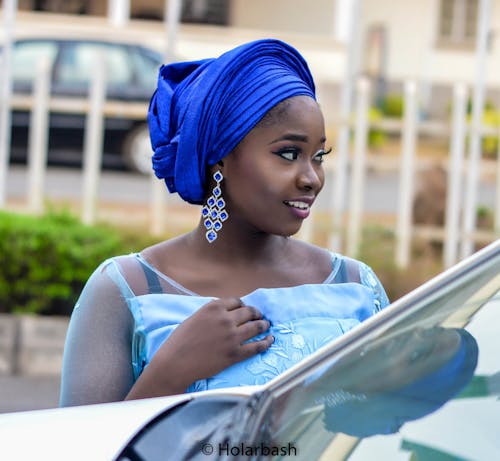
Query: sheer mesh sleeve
x,y
97,363
351,270
369,279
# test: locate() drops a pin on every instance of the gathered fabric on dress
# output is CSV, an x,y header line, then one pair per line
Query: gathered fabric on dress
x,y
303,318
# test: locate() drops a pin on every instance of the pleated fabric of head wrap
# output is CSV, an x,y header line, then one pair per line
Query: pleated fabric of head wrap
x,y
201,110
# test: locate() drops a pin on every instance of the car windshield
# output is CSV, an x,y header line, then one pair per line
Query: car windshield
x,y
409,383
26,54
147,64
77,63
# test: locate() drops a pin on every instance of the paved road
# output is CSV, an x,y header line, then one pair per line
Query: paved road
x,y
120,187
21,393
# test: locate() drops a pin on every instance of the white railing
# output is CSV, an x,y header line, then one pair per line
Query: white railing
x,y
410,127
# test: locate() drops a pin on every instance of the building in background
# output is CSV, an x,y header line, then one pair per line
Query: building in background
x,y
431,41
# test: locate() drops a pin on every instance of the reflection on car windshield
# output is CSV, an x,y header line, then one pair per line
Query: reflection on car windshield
x,y
400,380
27,54
148,66
78,61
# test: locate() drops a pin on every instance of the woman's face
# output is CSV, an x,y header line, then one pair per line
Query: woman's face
x,y
274,175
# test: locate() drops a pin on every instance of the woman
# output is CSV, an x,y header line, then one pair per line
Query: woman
x,y
236,301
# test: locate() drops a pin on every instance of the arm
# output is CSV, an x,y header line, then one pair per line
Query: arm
x,y
97,355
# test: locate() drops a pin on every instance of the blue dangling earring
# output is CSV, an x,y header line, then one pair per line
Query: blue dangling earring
x,y
214,212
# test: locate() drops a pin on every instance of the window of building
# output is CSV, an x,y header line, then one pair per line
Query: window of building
x,y
458,22
205,11
61,6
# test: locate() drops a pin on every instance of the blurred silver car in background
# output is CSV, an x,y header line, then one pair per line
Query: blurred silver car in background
x,y
131,72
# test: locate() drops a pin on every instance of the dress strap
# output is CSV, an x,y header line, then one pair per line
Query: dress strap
x,y
341,276
154,285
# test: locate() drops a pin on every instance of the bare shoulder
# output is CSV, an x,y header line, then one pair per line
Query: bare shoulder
x,y
171,257
310,251
310,258
167,249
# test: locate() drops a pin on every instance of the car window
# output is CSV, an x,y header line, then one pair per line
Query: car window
x,y
25,56
409,389
146,66
78,61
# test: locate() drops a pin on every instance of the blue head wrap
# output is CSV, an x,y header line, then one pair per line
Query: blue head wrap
x,y
201,110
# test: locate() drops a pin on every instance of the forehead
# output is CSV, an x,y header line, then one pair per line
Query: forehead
x,y
300,115
282,112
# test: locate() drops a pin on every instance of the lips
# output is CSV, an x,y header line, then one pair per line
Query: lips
x,y
300,207
300,203
297,204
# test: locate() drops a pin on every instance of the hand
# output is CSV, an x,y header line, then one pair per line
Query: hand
x,y
207,342
215,337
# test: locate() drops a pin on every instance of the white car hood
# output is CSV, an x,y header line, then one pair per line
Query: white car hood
x,y
90,432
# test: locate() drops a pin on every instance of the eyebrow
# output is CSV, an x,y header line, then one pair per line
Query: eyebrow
x,y
294,137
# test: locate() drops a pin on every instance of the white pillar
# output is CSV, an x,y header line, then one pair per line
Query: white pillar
x,y
404,218
339,173
470,211
118,12
173,16
159,193
343,11
455,171
93,141
38,136
9,19
497,201
358,168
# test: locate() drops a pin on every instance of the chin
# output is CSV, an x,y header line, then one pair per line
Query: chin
x,y
288,232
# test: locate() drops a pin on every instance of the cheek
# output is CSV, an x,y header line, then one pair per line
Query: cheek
x,y
246,190
246,177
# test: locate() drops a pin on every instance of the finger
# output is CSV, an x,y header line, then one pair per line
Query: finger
x,y
251,329
230,303
256,347
226,304
246,314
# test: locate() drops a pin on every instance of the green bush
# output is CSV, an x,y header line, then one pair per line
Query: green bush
x,y
377,250
490,119
376,137
392,106
47,260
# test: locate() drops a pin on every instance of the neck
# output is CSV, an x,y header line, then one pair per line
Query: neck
x,y
234,244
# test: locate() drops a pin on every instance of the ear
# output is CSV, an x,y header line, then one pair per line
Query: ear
x,y
220,165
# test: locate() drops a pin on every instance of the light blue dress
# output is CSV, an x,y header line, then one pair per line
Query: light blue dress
x,y
303,318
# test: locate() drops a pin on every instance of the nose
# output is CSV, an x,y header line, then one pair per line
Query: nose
x,y
310,178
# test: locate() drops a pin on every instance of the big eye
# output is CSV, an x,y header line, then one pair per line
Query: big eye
x,y
288,153
318,156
